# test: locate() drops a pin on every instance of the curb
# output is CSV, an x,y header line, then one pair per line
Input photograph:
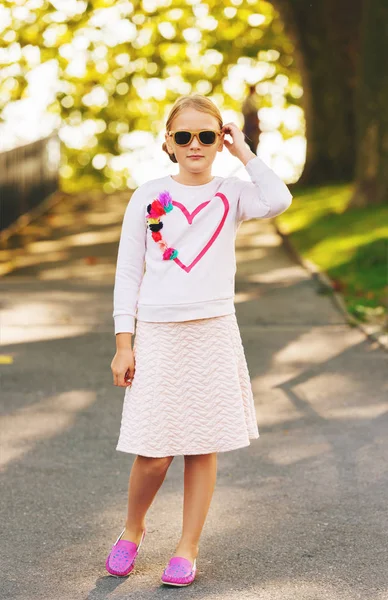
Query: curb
x,y
373,333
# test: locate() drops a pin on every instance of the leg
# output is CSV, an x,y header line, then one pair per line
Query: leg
x,y
147,475
199,482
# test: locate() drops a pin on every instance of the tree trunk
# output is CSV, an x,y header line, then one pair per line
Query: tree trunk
x,y
372,107
326,37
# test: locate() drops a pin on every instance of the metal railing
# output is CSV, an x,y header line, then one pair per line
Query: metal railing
x,y
28,174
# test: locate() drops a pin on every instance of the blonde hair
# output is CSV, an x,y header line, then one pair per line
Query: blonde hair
x,y
197,101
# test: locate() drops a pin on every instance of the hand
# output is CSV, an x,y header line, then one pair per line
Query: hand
x,y
238,147
123,367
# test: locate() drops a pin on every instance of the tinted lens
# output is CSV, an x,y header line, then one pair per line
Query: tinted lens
x,y
207,137
182,137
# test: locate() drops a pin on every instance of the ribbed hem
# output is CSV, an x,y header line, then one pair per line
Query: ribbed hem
x,y
124,324
185,312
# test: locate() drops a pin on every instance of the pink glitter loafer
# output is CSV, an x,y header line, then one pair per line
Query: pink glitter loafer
x,y
179,571
121,559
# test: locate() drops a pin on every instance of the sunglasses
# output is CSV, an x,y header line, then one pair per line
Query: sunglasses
x,y
207,137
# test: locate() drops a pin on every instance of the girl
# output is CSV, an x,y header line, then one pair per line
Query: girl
x,y
188,390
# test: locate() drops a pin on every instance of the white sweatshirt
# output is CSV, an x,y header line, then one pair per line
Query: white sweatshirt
x,y
200,223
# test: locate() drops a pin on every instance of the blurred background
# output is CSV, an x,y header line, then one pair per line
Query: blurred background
x,y
85,89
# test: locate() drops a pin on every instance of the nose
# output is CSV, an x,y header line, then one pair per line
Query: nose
x,y
195,141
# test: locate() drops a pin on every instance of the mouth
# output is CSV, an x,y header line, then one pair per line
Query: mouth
x,y
195,156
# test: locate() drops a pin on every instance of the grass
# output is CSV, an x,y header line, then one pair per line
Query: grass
x,y
351,246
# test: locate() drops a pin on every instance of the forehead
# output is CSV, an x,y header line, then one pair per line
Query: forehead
x,y
190,118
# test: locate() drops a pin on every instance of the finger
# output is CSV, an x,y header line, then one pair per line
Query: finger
x,y
129,375
231,131
130,371
122,382
230,126
127,383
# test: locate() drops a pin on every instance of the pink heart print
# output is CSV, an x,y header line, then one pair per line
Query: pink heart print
x,y
190,217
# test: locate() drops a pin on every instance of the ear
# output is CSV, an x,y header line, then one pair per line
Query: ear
x,y
168,144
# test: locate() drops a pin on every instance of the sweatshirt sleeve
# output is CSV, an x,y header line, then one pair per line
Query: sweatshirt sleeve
x,y
130,264
265,196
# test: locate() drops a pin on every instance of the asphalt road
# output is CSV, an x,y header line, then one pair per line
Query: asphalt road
x,y
299,514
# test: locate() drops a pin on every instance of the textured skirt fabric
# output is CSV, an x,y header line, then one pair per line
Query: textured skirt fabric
x,y
191,392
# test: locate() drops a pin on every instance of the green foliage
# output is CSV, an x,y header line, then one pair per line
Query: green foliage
x,y
351,246
144,41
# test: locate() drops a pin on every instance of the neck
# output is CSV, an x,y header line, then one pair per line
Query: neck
x,y
187,178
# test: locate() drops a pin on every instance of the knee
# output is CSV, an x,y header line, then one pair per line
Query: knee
x,y
155,466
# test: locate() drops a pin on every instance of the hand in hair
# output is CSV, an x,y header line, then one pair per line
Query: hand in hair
x,y
238,146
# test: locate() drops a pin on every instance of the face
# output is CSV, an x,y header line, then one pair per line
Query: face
x,y
194,120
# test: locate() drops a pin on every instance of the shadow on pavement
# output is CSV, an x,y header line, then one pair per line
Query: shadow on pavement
x,y
297,514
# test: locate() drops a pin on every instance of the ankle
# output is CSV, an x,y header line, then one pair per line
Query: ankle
x,y
132,526
188,548
132,534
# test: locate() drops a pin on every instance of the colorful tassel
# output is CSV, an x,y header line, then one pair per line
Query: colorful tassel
x,y
159,207
170,254
165,198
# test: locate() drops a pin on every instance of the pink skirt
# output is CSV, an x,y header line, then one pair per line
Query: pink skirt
x,y
191,392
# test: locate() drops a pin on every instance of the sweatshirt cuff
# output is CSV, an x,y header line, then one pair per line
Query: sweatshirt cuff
x,y
124,324
256,166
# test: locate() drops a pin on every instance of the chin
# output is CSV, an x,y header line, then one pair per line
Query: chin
x,y
197,163
194,168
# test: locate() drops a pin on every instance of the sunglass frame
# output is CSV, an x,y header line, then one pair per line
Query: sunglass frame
x,y
172,133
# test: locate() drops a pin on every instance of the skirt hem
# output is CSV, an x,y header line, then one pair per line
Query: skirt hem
x,y
181,453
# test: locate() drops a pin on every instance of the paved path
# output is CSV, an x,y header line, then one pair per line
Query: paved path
x,y
299,514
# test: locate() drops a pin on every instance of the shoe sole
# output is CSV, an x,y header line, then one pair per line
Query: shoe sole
x,y
176,584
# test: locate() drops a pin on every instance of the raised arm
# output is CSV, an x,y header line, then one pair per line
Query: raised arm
x,y
130,264
265,196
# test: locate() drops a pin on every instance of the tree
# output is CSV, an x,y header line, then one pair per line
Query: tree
x,y
121,45
341,50
326,38
371,106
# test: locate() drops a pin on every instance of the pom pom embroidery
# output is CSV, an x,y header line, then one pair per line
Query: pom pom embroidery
x,y
159,207
155,226
165,198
